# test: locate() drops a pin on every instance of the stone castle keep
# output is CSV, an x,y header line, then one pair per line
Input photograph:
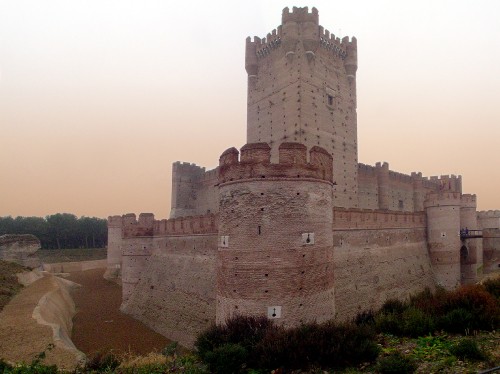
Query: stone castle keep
x,y
291,226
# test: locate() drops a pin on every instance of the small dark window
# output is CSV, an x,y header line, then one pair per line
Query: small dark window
x,y
401,205
330,100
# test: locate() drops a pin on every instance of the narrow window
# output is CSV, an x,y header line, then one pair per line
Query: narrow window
x,y
330,100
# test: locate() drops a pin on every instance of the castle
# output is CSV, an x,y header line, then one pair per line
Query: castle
x,y
291,226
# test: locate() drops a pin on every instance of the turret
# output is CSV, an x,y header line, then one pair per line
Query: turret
x,y
382,171
275,254
443,239
114,257
471,251
302,89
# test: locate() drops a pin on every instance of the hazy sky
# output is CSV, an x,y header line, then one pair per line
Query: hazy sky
x,y
98,98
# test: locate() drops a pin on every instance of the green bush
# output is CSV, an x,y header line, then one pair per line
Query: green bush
x,y
256,343
244,331
327,345
456,321
416,323
366,317
467,349
227,358
170,349
4,366
393,306
102,361
389,323
395,363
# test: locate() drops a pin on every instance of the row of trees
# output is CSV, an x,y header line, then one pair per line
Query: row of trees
x,y
60,230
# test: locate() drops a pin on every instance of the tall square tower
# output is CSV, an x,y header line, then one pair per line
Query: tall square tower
x,y
302,88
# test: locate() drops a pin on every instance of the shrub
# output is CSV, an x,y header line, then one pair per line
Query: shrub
x,y
395,363
244,331
493,287
484,308
4,366
102,361
389,323
429,302
227,358
467,349
456,321
366,317
416,323
393,306
327,345
170,349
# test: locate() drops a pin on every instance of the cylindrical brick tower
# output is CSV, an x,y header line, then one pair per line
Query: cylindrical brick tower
x,y
443,239
137,250
114,257
471,251
275,254
383,185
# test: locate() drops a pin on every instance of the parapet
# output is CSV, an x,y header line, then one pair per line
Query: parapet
x,y
442,198
469,201
115,221
447,182
256,153
255,163
488,214
299,15
143,227
187,167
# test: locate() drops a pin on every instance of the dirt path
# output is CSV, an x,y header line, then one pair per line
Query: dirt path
x,y
22,338
99,325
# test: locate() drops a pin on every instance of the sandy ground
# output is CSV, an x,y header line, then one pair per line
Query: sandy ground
x,y
22,339
99,325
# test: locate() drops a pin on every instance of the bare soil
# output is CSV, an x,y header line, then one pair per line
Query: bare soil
x,y
100,326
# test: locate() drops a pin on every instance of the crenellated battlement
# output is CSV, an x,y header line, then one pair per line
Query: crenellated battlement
x,y
131,227
300,15
192,225
345,218
469,201
488,214
115,221
442,198
399,177
366,170
186,167
146,225
447,182
254,163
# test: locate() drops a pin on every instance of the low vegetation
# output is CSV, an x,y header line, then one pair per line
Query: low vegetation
x,y
432,332
9,286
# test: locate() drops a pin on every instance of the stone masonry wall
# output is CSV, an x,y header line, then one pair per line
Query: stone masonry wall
x,y
175,293
378,255
193,190
381,188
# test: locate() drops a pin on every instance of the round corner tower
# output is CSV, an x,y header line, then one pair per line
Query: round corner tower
x,y
471,251
443,239
275,254
302,88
